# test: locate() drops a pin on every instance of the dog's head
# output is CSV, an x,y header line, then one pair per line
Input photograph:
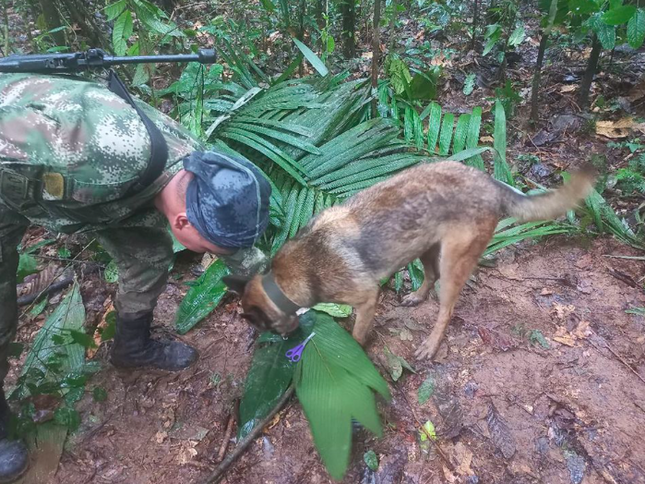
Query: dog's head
x,y
259,309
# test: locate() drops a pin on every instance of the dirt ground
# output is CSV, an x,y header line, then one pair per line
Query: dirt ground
x,y
569,413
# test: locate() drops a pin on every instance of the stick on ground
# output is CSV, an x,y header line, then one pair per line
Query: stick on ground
x,y
222,468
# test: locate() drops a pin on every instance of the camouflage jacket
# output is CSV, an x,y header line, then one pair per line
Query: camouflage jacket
x,y
82,147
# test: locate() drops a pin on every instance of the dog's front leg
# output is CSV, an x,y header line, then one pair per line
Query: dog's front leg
x,y
365,316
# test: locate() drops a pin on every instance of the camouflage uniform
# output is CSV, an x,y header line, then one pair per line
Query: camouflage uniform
x,y
69,152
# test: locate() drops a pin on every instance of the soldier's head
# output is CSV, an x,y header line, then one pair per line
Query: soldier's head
x,y
221,203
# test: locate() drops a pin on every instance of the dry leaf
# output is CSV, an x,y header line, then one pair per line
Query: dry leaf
x,y
463,458
500,434
582,330
618,129
561,311
568,88
161,436
91,352
637,92
449,476
486,139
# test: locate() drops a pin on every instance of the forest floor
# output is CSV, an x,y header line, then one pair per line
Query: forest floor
x,y
541,378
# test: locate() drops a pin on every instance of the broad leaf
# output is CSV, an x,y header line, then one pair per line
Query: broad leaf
x,y
517,36
636,29
619,15
313,59
269,376
425,390
202,298
334,383
501,170
334,310
68,316
27,265
606,33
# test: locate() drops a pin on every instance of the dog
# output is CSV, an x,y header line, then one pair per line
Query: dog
x,y
444,213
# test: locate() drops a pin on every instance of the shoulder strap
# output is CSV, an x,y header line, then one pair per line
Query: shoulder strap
x,y
158,146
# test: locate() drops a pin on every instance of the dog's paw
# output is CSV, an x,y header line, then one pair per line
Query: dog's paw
x,y
426,351
413,299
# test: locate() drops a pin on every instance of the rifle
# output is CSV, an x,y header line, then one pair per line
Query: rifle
x,y
91,59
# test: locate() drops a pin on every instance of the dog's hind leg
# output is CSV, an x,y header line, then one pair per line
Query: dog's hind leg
x,y
461,250
365,315
430,261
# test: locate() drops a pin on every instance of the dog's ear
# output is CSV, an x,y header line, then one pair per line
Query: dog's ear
x,y
236,283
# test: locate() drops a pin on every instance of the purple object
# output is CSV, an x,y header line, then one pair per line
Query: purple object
x,y
295,353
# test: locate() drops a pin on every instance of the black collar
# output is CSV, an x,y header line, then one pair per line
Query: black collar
x,y
276,295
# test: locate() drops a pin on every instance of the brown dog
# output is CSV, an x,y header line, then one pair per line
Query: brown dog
x,y
444,213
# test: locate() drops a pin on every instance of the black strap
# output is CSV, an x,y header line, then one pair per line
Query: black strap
x,y
276,295
158,146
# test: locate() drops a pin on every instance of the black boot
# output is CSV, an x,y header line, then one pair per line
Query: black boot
x,y
14,457
133,347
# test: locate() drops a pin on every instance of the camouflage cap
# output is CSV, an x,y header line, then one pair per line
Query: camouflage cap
x,y
227,201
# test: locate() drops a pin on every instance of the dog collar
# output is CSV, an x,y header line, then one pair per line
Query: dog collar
x,y
276,295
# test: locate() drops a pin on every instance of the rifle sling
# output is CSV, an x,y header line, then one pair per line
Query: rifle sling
x,y
158,146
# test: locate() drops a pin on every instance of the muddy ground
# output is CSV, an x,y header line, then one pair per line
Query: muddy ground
x,y
574,412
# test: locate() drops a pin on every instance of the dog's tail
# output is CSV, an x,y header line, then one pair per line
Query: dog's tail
x,y
551,204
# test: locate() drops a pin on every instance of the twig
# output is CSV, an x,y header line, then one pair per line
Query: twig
x,y
625,278
222,468
56,277
620,358
52,287
227,435
630,257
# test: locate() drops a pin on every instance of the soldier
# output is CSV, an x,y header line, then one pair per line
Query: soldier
x,y
73,157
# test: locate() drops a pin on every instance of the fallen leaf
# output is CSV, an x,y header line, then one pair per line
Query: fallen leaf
x,y
100,328
582,330
161,436
568,88
427,433
500,434
449,476
618,129
425,390
561,311
486,139
463,459
637,92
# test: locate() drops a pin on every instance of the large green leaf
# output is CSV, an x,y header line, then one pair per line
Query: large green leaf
x,y
636,29
27,264
202,298
335,382
269,376
313,59
606,33
53,352
501,169
619,15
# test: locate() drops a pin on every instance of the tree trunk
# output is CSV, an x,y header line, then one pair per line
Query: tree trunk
x,y
52,19
376,50
395,6
318,13
348,12
537,75
592,66
475,22
79,13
